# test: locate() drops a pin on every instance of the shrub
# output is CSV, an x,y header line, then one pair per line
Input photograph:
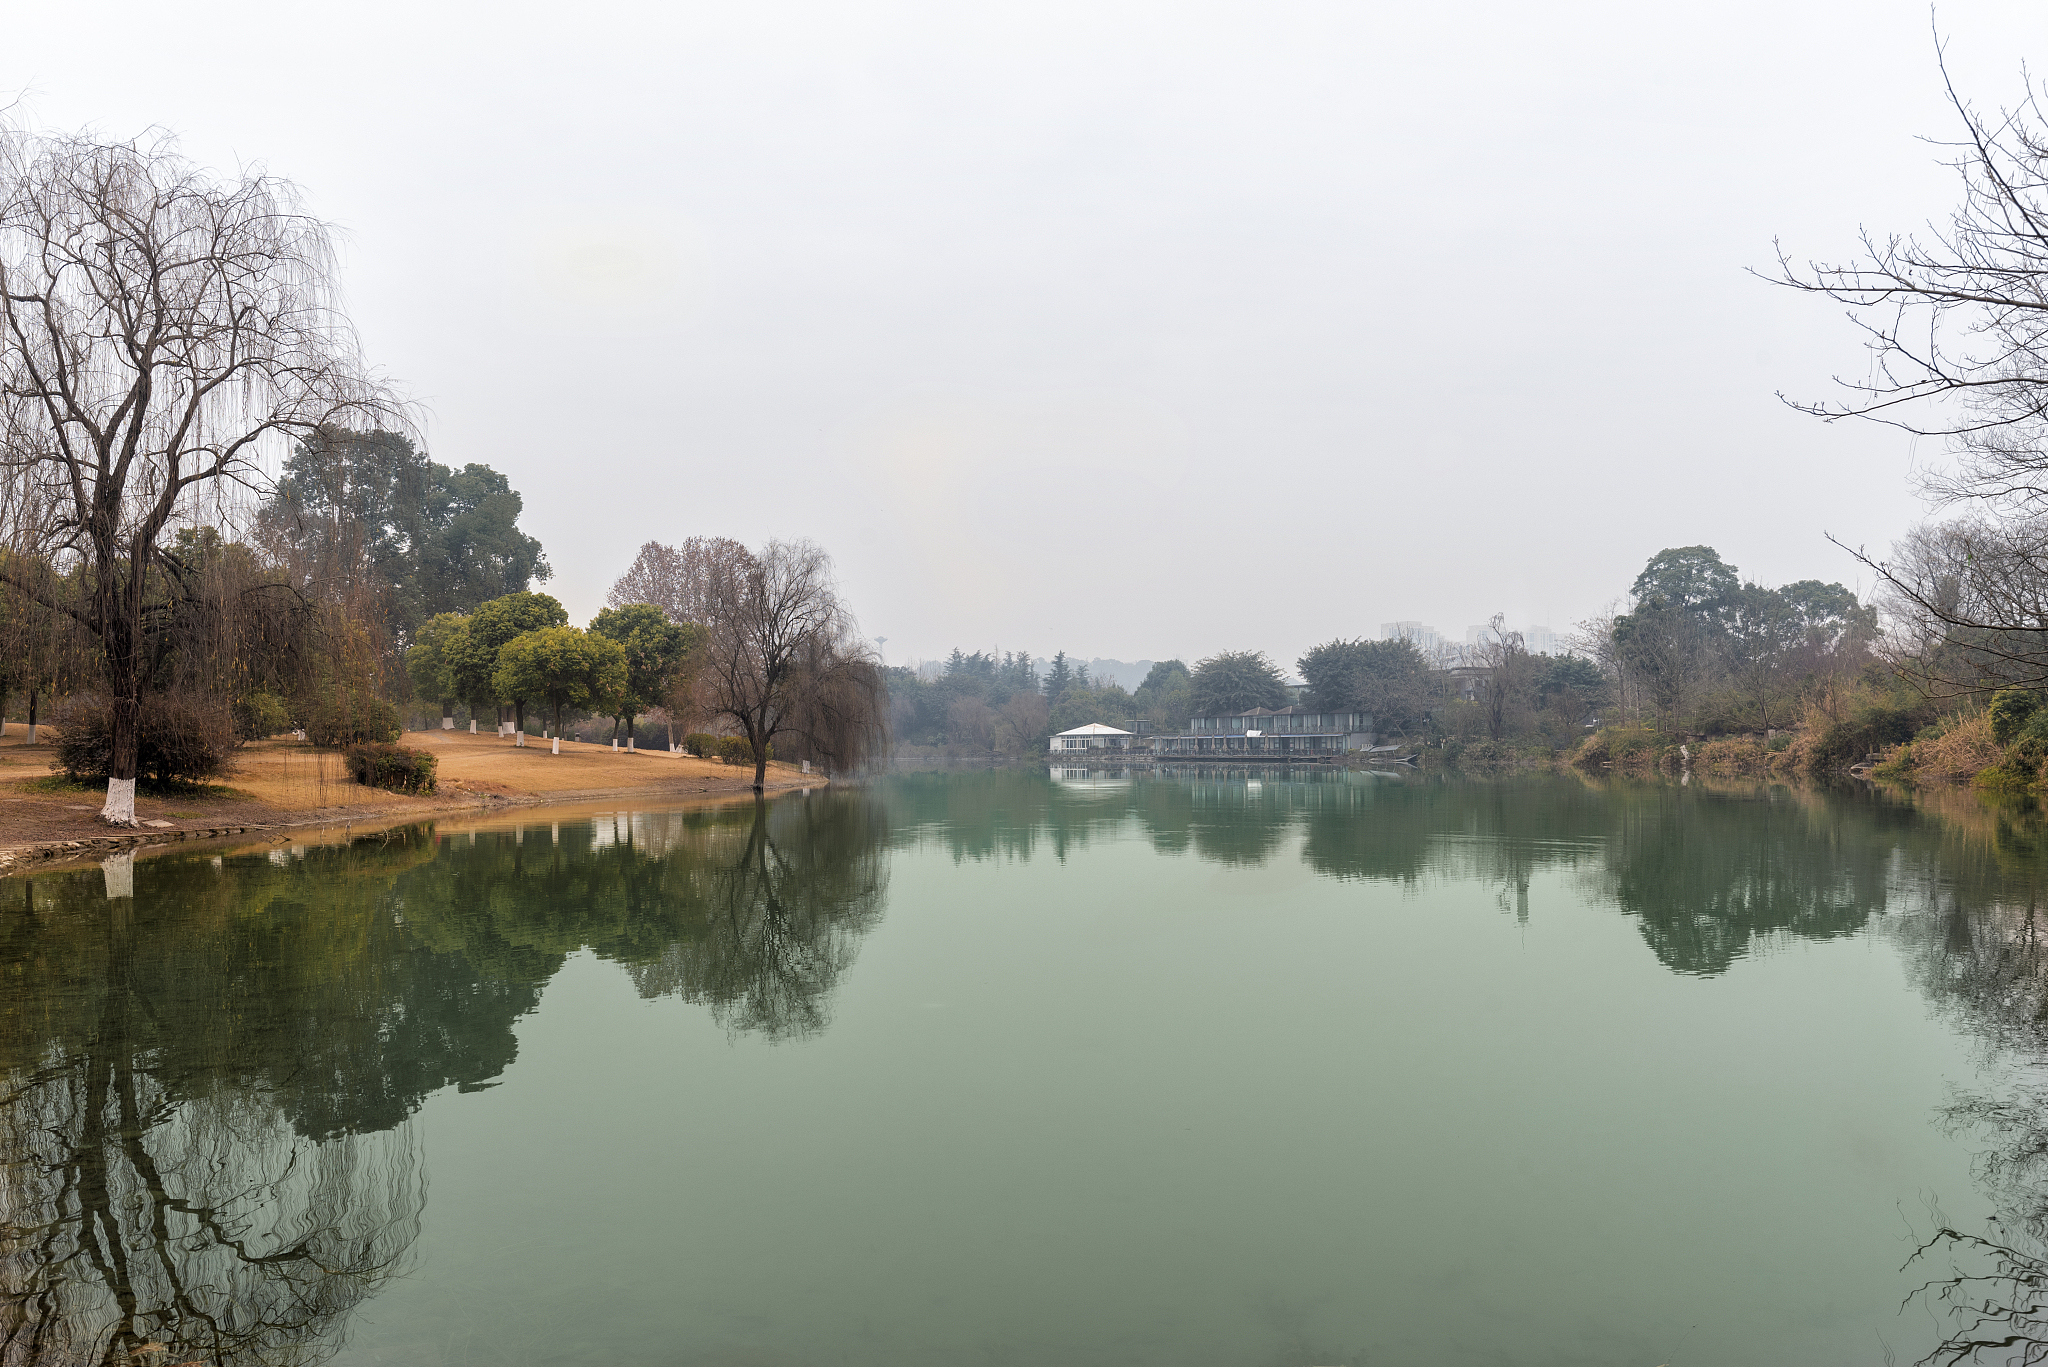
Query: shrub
x,y
1870,728
392,766
2011,710
260,714
341,718
702,744
735,750
180,739
1488,754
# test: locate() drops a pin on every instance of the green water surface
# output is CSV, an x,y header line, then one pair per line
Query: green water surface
x,y
1274,1069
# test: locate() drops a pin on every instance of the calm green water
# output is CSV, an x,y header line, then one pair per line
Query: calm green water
x,y
1009,1069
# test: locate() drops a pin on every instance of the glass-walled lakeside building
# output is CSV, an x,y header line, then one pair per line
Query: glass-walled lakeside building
x,y
1262,731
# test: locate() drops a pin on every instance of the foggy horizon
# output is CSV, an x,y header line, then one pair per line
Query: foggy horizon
x,y
1137,333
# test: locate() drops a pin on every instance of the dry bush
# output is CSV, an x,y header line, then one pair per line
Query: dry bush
x,y
1742,756
1958,755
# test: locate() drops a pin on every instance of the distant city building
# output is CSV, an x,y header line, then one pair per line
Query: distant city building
x,y
1418,634
1535,640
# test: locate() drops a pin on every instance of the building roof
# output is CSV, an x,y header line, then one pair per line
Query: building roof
x,y
1095,728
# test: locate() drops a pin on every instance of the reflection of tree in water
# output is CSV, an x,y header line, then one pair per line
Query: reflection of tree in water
x,y
1977,938
168,1180
778,917
204,1088
753,909
1710,872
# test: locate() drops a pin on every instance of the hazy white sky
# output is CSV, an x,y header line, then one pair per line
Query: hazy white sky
x,y
1125,329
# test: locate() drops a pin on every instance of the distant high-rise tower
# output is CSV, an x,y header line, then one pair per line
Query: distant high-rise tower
x,y
1418,634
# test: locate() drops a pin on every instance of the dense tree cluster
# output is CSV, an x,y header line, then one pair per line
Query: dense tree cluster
x,y
1701,647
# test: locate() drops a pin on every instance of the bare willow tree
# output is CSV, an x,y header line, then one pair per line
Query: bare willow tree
x,y
164,333
783,659
1955,322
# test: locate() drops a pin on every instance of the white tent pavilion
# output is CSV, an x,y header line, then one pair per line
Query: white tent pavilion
x,y
1093,736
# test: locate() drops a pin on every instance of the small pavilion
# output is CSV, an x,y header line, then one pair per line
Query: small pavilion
x,y
1093,736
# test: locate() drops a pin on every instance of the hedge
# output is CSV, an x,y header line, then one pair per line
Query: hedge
x,y
392,766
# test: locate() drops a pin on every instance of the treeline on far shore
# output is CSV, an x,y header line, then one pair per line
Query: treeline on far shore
x,y
1695,668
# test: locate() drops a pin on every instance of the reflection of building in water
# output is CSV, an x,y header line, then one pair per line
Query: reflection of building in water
x,y
1073,779
1263,731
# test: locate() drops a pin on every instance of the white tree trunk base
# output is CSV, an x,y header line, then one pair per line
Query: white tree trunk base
x,y
629,743
447,723
558,745
472,726
31,736
120,808
521,741
120,871
615,745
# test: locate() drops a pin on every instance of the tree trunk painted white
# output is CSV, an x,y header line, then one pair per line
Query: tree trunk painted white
x,y
472,726
447,723
120,808
120,872
558,745
31,734
629,743
615,745
521,741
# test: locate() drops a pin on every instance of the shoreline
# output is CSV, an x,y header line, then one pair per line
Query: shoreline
x,y
280,786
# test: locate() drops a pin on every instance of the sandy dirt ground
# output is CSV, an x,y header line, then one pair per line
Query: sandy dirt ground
x,y
279,783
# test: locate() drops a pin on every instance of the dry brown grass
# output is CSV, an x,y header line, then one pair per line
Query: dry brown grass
x,y
1965,750
1735,756
288,774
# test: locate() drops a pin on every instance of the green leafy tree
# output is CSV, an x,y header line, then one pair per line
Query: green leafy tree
x,y
564,667
431,661
431,539
1661,648
473,549
1388,681
1166,697
1105,704
656,652
475,657
1162,675
1764,630
1058,680
1236,681
1692,579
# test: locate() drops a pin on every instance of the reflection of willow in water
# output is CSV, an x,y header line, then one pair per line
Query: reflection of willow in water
x,y
163,1181
204,1088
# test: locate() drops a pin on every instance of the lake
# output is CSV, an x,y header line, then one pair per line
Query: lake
x,y
1285,1069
